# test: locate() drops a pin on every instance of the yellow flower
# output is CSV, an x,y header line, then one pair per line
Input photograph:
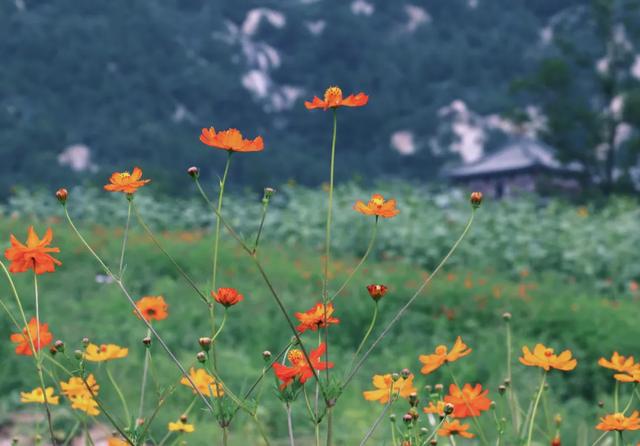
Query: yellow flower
x,y
37,396
85,404
104,352
76,387
386,386
116,441
181,426
204,382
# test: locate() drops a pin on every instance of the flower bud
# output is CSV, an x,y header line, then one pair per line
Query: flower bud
x,y
59,345
601,404
377,291
201,357
268,193
492,405
53,351
193,172
392,417
266,355
433,442
556,441
557,419
507,382
407,418
438,388
139,421
205,343
395,376
506,316
475,199
414,413
424,431
78,354
405,373
61,195
146,341
448,408
85,341
413,399
428,388
183,418
502,389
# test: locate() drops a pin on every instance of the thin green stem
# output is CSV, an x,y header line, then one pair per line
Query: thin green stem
x,y
360,263
145,372
616,405
72,433
410,301
628,406
290,425
366,335
265,207
261,430
224,320
513,403
217,230
600,438
225,431
532,421
125,236
377,421
123,400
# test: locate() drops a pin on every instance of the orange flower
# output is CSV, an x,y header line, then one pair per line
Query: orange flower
x,y
545,358
204,382
316,317
152,308
386,386
442,355
22,339
618,363
116,441
377,206
630,376
104,352
38,396
231,140
76,387
436,409
227,296
85,404
468,402
300,367
333,99
618,422
126,182
376,291
455,428
32,255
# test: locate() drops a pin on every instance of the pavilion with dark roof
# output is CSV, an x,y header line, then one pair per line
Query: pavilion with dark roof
x,y
520,165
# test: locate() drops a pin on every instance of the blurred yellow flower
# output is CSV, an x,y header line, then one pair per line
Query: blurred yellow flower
x,y
104,352
37,396
76,387
386,386
85,404
204,382
181,426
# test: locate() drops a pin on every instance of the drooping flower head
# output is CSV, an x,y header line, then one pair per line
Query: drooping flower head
x,y
545,358
34,254
377,206
152,308
231,140
442,355
377,291
39,341
38,396
104,352
126,182
204,382
300,368
619,422
618,363
468,401
385,386
333,99
318,316
227,296
455,428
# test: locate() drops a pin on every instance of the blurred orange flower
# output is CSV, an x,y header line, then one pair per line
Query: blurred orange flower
x,y
22,339
333,99
227,296
204,382
152,308
618,363
436,409
104,352
455,428
468,402
442,356
38,396
377,206
126,182
619,422
545,358
231,140
32,255
116,441
300,367
316,317
386,386
630,376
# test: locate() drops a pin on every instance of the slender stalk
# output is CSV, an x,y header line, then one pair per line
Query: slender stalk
x,y
217,231
360,263
515,414
600,438
225,431
125,236
377,421
410,301
72,432
224,320
126,293
290,425
261,430
329,426
626,408
616,406
143,384
265,206
535,409
123,400
368,332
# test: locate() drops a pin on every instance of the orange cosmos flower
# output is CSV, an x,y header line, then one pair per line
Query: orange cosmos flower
x,y
455,428
376,291
116,441
316,317
22,339
38,396
468,402
377,206
85,404
385,386
126,182
333,99
300,367
618,363
631,376
436,409
32,255
76,387
231,140
618,422
204,382
442,356
104,352
227,296
545,358
152,308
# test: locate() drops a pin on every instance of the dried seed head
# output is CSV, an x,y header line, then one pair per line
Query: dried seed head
x,y
395,376
413,399
407,418
85,341
183,418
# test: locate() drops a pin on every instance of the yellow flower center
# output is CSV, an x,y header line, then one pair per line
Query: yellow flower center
x,y
333,95
124,175
296,357
377,201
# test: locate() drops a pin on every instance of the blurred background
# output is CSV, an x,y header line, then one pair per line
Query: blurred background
x,y
537,104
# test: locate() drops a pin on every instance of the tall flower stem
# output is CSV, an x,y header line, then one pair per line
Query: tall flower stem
x,y
368,332
126,293
616,406
377,421
513,403
290,425
224,320
532,421
360,263
327,240
123,400
410,301
125,235
145,372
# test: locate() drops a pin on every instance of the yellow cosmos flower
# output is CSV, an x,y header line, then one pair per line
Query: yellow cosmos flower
x,y
181,426
386,386
204,382
85,404
104,352
76,387
38,396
